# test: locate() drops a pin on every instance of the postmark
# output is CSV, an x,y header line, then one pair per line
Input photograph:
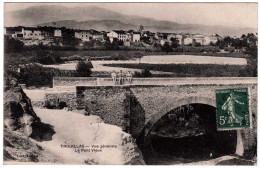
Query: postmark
x,y
232,109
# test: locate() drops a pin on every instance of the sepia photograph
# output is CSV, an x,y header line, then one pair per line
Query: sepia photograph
x,y
120,83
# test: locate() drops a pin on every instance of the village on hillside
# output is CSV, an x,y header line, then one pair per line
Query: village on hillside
x,y
48,34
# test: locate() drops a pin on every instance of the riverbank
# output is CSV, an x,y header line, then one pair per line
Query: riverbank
x,y
132,54
189,70
87,139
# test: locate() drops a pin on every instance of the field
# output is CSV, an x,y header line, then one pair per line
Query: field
x,y
129,54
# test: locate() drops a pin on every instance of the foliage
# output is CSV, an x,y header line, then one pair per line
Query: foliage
x,y
112,46
12,45
188,70
208,49
35,75
143,73
251,51
47,57
237,43
174,43
88,44
196,44
83,69
167,48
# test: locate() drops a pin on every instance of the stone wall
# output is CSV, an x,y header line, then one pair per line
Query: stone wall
x,y
91,81
136,108
68,97
106,102
74,81
137,116
249,136
157,101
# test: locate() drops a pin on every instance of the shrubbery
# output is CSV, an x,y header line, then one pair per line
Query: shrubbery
x,y
47,57
208,49
12,45
35,75
188,70
143,73
83,69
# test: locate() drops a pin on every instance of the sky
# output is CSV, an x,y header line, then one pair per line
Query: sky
x,y
229,14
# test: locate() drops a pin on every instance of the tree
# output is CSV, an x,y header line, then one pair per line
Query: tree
x,y
167,48
143,73
211,44
112,46
196,44
47,57
120,43
141,28
227,41
83,69
88,44
12,45
175,43
146,73
138,55
251,51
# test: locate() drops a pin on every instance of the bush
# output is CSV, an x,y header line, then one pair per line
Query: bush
x,y
48,105
62,105
83,69
143,73
167,48
47,57
12,45
35,75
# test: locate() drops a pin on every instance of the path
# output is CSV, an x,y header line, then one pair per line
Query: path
x,y
76,129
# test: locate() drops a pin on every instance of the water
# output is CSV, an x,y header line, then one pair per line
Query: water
x,y
192,59
158,59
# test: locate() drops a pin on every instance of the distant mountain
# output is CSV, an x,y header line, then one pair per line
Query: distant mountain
x,y
106,25
103,19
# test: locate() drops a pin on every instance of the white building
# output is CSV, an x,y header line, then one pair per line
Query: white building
x,y
199,38
15,32
187,40
30,33
136,37
118,34
179,37
211,38
84,35
57,33
170,36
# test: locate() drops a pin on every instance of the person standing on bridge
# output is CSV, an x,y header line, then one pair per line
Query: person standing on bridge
x,y
121,77
129,77
113,75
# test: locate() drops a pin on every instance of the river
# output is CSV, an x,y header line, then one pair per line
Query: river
x,y
159,59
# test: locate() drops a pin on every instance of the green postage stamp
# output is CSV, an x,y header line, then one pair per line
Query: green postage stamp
x,y
232,109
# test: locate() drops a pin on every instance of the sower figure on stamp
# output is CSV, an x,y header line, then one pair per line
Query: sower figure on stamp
x,y
229,105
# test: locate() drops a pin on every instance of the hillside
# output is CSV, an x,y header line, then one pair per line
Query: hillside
x,y
106,25
94,17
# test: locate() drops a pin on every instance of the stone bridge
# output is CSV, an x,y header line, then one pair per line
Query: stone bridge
x,y
138,106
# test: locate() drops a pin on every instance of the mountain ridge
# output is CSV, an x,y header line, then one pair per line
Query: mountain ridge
x,y
98,18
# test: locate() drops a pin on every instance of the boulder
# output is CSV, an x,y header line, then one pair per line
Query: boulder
x,y
20,116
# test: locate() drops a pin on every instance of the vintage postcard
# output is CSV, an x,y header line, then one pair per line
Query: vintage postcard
x,y
130,83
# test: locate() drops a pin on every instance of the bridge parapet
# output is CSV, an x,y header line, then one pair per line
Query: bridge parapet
x,y
60,82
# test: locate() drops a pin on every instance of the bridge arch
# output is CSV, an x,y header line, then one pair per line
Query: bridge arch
x,y
184,101
145,138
